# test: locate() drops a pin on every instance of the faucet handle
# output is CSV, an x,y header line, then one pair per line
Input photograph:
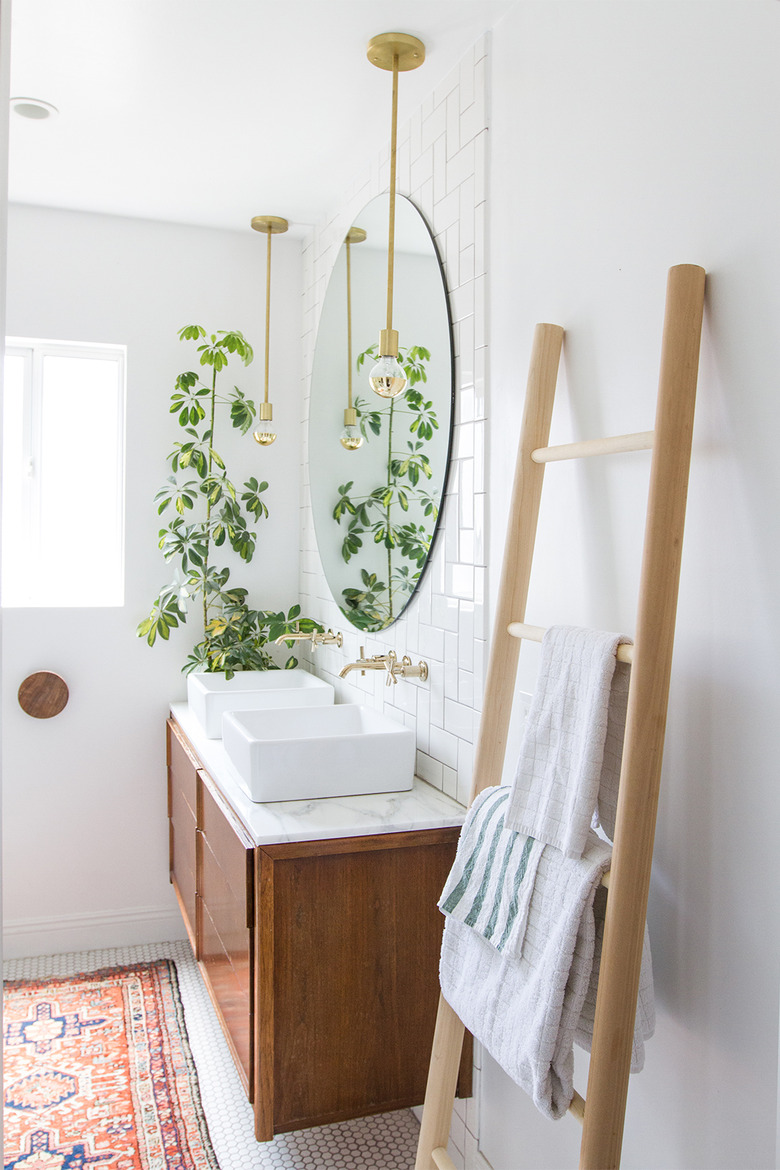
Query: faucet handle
x,y
320,638
391,658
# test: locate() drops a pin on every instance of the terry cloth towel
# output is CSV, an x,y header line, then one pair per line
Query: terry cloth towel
x,y
490,883
530,1001
564,755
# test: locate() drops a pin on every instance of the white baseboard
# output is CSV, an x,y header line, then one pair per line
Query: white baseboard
x,y
25,938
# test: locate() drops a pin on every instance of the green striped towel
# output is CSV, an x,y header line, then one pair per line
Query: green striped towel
x,y
492,878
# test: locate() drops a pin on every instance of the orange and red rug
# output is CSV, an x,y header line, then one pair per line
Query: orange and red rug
x,y
98,1072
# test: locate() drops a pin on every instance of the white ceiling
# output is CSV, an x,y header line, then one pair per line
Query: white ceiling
x,y
212,111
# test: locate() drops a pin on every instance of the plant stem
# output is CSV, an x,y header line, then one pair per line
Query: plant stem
x,y
208,503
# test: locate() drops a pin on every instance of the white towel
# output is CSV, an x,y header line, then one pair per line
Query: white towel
x,y
563,762
644,1023
529,1002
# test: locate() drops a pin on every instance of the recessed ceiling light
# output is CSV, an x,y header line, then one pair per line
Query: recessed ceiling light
x,y
34,108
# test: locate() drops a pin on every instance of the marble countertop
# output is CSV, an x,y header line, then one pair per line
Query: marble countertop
x,y
422,807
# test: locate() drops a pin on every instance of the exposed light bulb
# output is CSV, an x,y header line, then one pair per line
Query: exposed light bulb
x,y
351,438
264,435
387,378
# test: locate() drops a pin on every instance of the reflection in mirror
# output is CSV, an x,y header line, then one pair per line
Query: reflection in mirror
x,y
376,506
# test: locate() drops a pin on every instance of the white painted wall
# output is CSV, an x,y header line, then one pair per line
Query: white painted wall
x,y
626,138
85,827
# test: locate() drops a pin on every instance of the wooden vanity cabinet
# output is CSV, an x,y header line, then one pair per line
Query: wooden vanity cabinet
x,y
320,956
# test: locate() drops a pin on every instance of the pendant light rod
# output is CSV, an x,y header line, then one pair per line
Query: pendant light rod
x,y
351,438
349,325
271,225
399,53
391,226
355,235
267,313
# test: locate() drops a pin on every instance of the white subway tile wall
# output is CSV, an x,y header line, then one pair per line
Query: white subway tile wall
x,y
442,168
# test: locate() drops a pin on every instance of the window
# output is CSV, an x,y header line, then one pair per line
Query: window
x,y
63,474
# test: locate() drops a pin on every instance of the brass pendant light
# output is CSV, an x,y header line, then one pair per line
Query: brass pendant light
x,y
351,437
398,52
271,225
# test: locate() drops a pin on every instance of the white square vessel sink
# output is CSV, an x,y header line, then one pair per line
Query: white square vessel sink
x,y
307,753
211,695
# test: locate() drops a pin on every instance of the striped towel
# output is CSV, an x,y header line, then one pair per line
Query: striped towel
x,y
492,878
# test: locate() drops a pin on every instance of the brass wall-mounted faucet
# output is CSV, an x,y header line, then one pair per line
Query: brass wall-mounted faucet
x,y
316,637
390,663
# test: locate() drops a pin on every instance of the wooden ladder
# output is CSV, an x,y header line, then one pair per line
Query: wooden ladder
x,y
602,1112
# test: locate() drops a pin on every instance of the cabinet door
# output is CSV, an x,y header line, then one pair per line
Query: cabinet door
x,y
227,921
356,938
182,824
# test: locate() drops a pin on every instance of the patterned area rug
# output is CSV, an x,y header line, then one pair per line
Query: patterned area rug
x,y
98,1072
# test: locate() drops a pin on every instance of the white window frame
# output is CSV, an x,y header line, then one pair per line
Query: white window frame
x,y
34,351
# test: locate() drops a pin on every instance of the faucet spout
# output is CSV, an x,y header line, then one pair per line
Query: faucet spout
x,y
378,662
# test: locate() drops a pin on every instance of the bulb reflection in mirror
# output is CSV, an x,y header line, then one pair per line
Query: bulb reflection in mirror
x,y
264,438
387,378
351,438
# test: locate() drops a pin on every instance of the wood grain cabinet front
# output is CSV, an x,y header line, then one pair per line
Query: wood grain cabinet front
x,y
226,893
321,957
348,943
182,825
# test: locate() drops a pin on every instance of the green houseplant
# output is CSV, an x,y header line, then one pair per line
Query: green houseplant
x,y
391,512
206,512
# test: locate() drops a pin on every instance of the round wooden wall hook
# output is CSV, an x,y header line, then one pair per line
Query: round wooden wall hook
x,y
43,694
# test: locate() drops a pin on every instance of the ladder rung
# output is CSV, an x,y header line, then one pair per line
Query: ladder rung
x,y
641,441
577,1107
625,651
442,1160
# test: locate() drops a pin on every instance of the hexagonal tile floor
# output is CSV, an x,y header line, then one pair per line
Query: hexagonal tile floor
x,y
387,1141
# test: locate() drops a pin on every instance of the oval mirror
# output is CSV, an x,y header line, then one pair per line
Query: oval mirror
x,y
376,506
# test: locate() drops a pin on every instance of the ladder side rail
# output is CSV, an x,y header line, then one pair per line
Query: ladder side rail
x,y
499,691
441,1086
518,558
645,725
